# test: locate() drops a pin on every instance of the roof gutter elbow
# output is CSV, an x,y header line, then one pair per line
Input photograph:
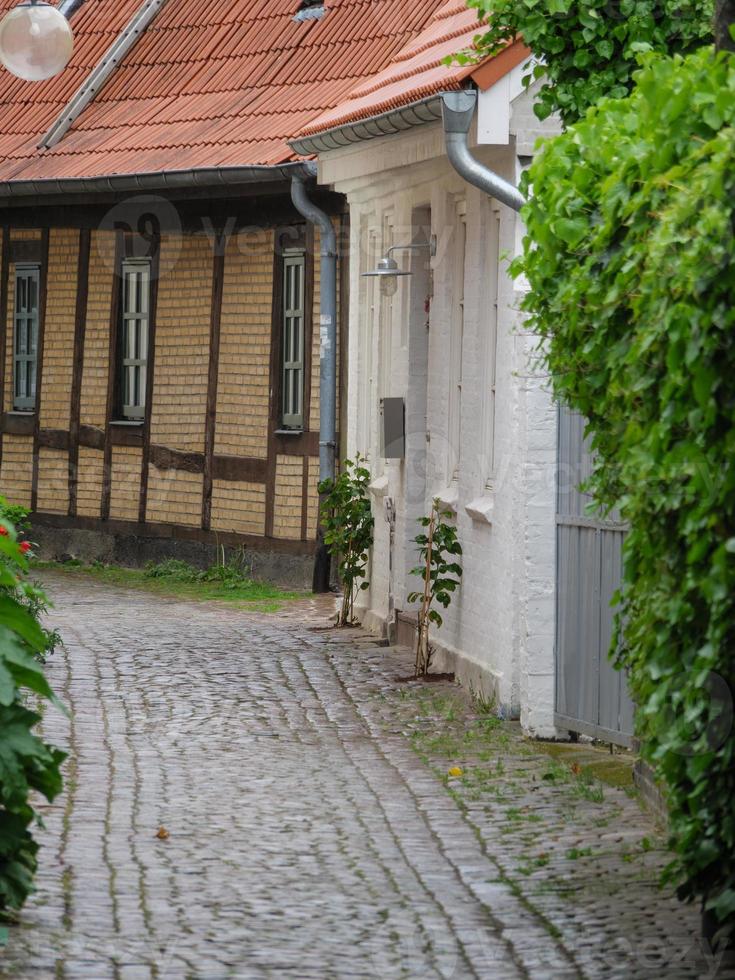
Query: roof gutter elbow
x,y
458,109
307,209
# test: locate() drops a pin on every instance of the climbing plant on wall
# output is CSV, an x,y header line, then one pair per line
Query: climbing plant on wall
x,y
630,255
589,48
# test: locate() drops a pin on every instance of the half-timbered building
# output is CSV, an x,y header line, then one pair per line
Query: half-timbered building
x,y
160,388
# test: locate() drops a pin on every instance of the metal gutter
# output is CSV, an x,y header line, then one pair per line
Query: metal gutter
x,y
102,71
386,124
158,181
455,109
458,110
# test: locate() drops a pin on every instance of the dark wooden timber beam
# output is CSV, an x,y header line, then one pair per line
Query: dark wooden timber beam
x,y
111,378
274,387
80,326
42,298
150,377
215,322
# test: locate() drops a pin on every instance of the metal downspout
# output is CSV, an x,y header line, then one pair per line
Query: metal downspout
x,y
327,359
458,110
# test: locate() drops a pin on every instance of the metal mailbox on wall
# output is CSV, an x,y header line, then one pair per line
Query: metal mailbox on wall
x,y
393,430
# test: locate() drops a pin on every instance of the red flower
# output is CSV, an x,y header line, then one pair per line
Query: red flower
x,y
3,531
25,547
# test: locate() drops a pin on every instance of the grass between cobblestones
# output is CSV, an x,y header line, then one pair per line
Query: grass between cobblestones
x,y
182,581
482,738
554,809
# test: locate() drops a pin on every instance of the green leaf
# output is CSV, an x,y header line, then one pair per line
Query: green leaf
x,y
723,905
570,230
14,617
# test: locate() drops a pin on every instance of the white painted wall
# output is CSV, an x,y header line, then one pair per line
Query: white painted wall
x,y
499,632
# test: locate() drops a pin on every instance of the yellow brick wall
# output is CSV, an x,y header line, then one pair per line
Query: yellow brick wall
x,y
287,497
25,234
244,361
97,336
58,354
313,498
53,481
16,472
125,487
174,497
238,507
182,359
182,344
89,492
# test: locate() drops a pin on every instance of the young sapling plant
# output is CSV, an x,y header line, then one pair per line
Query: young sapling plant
x,y
441,574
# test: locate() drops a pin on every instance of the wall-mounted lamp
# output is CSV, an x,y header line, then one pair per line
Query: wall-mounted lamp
x,y
36,41
388,271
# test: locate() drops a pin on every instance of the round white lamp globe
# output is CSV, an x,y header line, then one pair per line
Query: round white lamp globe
x,y
36,41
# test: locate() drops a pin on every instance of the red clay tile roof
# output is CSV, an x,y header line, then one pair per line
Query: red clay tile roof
x,y
214,84
416,72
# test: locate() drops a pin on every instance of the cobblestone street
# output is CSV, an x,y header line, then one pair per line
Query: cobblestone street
x,y
250,796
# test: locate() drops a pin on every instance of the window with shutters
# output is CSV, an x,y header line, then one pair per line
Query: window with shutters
x,y
294,315
25,349
135,319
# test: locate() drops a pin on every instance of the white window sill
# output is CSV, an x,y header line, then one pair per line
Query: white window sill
x,y
448,498
128,422
22,411
289,432
379,487
482,509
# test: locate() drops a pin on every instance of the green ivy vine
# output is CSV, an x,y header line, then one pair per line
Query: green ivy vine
x,y
630,255
589,48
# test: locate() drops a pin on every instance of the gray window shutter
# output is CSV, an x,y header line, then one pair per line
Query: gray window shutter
x,y
25,350
136,298
294,314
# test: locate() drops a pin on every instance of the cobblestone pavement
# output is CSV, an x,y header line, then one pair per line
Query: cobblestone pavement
x,y
250,796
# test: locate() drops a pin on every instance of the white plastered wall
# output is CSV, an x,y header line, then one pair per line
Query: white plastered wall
x,y
499,632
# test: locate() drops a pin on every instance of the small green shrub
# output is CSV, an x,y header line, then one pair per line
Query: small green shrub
x,y
15,514
27,763
348,529
175,569
440,572
232,573
26,592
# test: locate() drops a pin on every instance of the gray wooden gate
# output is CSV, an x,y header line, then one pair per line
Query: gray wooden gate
x,y
591,696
